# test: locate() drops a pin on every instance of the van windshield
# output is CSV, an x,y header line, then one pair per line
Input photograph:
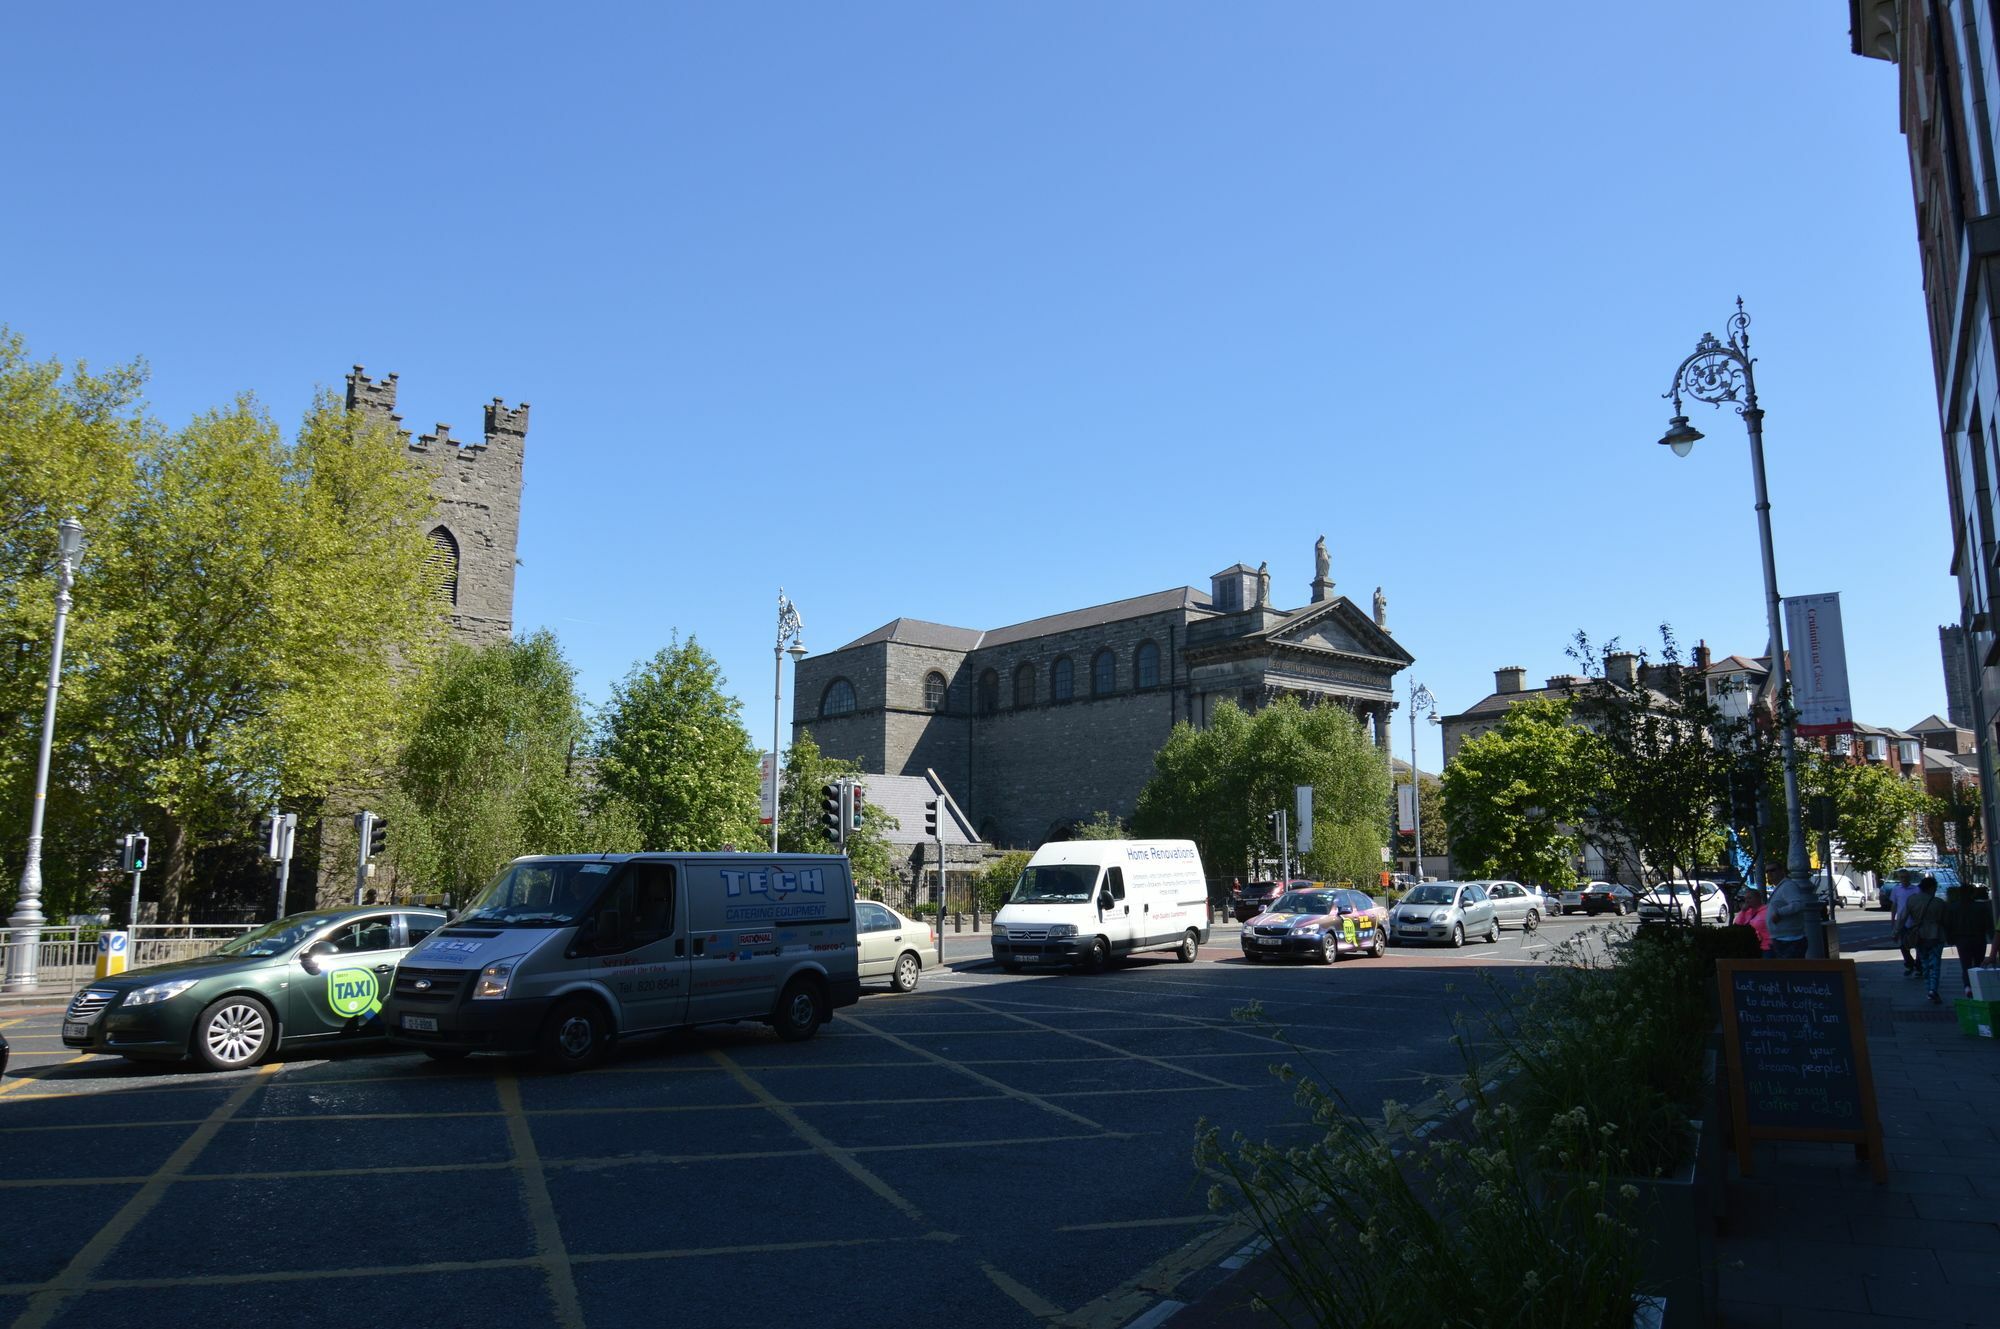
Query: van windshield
x,y
1056,883
538,895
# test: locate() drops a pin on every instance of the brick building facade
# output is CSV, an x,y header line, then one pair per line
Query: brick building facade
x,y
1043,724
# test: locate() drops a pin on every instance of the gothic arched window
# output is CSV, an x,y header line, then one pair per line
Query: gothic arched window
x,y
838,699
1146,665
1024,685
989,692
441,565
1062,680
1103,673
934,691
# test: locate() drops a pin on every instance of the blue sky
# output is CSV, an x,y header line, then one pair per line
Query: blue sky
x,y
984,311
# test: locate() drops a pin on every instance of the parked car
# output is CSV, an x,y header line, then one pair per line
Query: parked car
x,y
1323,924
1599,897
892,945
1253,898
1444,911
1514,904
1551,905
1700,902
1846,893
1946,879
1084,903
315,977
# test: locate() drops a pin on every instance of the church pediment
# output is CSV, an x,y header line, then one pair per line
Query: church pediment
x,y
1340,626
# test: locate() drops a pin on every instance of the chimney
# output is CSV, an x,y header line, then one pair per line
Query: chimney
x,y
1702,656
1509,679
1622,668
1563,682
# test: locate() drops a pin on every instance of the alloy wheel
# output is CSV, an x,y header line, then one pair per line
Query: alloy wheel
x,y
236,1033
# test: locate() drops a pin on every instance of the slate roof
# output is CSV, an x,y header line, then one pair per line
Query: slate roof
x,y
903,797
1930,724
1946,761
917,632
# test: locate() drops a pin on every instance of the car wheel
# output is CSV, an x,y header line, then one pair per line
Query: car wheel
x,y
1099,957
908,969
1329,950
1189,948
234,1032
801,1011
1532,921
447,1054
575,1035
1457,935
1493,933
1381,946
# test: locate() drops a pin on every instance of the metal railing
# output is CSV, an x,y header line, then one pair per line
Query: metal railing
x,y
67,956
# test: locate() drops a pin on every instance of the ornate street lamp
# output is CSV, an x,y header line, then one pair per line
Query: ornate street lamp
x,y
24,955
1421,703
1720,373
789,629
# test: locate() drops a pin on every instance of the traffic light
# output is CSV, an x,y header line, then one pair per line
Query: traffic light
x,y
1271,821
136,849
854,805
274,835
378,836
930,818
1743,798
831,799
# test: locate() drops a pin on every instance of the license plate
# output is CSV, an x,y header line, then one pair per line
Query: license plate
x,y
423,1024
1270,941
75,1029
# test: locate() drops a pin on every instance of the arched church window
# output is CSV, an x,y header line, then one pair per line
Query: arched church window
x,y
1024,686
1062,680
1103,673
989,692
1146,665
934,691
838,699
441,566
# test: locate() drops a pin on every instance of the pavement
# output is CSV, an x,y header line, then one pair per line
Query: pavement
x,y
1812,1239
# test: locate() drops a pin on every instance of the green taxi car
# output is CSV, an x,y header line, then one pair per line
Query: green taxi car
x,y
308,978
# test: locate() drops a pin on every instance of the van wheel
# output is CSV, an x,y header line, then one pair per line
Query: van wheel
x,y
1189,948
233,1033
801,1011
575,1035
1099,958
908,969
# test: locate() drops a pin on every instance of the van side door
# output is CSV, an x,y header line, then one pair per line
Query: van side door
x,y
1117,915
633,943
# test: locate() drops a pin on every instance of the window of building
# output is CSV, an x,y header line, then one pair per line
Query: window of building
x,y
441,566
1878,748
989,692
1146,665
1103,673
1908,753
1062,680
934,691
838,699
1024,685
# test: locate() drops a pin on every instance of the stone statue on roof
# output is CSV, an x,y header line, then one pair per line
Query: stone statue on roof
x,y
1322,565
1263,584
1381,609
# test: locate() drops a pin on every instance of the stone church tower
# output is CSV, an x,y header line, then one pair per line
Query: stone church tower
x,y
478,491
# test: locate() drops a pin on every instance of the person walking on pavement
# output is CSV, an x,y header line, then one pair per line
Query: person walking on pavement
x,y
1785,919
1924,921
1900,895
1751,915
1967,924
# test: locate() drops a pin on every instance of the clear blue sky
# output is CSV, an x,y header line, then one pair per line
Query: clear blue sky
x,y
977,312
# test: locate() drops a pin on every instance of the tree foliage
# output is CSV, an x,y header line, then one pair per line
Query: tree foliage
x,y
996,879
1430,815
1103,826
1875,810
1516,796
1215,786
801,830
672,748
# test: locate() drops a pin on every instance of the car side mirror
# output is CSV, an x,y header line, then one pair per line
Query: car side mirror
x,y
324,950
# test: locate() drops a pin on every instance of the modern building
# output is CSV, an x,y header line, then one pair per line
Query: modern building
x,y
1948,106
1044,724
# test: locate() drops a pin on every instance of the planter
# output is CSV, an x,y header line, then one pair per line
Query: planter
x,y
1676,1221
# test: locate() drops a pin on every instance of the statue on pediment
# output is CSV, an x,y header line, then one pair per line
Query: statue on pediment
x,y
1263,585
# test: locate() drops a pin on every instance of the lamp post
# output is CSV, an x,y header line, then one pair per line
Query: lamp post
x,y
1421,703
24,955
1719,373
789,630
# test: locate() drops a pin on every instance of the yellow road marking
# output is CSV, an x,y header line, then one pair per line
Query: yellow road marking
x,y
76,1275
839,1157
1007,1089
552,1253
1029,1300
9,1086
1095,1042
1131,1298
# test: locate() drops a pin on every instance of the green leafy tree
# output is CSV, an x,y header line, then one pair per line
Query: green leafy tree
x,y
1103,826
1515,796
672,748
490,768
996,879
1875,810
1430,814
800,828
1216,785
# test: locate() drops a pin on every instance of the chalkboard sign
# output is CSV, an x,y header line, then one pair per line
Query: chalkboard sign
x,y
1798,1056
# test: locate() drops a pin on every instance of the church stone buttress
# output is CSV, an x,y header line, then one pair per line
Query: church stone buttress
x,y
477,488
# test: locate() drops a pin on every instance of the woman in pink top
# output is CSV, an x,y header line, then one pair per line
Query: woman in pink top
x,y
1751,915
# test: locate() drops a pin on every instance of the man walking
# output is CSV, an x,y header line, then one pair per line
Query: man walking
x,y
1923,921
1967,925
1900,895
1785,919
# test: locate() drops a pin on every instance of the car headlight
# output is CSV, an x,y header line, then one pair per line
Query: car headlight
x,y
1306,929
999,929
1441,916
495,978
146,996
1062,929
1249,931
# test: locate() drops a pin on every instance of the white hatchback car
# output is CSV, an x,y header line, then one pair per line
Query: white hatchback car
x,y
892,945
1700,902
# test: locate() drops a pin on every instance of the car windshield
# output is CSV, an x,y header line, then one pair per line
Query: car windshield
x,y
1055,883
538,895
1304,902
277,938
1431,895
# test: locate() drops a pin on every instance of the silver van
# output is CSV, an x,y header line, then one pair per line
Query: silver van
x,y
565,954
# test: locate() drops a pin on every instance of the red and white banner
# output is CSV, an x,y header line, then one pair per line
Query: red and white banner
x,y
1818,657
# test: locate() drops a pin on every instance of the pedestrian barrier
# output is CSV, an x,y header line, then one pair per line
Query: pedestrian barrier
x,y
67,956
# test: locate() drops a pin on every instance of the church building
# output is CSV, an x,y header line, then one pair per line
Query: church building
x,y
1038,726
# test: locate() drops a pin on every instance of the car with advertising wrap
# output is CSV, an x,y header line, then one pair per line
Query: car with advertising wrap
x,y
316,977
566,954
1323,924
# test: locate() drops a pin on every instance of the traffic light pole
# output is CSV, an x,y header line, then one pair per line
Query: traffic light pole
x,y
364,827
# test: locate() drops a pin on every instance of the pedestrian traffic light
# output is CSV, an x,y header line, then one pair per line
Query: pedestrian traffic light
x,y
1271,821
854,804
274,835
830,818
930,818
136,849
378,835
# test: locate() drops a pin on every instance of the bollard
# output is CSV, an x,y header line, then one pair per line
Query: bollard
x,y
957,921
113,949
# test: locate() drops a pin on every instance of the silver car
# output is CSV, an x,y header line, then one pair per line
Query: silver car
x,y
892,946
1515,905
1444,911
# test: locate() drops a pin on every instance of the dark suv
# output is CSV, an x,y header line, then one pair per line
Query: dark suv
x,y
1253,898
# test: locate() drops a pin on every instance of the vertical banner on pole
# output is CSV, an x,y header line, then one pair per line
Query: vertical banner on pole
x,y
768,775
1818,652
1406,808
1304,796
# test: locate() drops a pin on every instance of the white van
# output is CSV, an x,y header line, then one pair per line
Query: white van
x,y
1086,902
564,954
